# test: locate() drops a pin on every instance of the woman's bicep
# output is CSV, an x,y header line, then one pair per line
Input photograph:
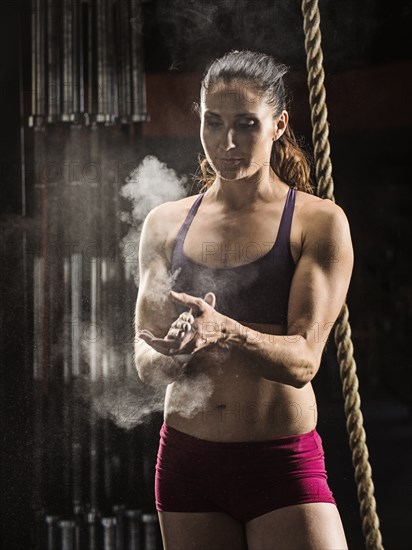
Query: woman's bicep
x,y
154,309
321,279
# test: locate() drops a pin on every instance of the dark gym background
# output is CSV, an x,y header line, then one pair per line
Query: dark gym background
x,y
62,459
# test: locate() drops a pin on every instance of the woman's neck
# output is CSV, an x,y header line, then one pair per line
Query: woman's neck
x,y
245,193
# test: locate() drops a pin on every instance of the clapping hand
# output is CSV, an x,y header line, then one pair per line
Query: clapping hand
x,y
186,334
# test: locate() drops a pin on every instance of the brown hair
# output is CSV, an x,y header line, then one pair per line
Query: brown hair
x,y
288,160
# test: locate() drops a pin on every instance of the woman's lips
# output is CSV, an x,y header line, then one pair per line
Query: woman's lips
x,y
230,161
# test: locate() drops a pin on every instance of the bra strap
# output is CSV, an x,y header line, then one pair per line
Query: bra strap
x,y
283,238
185,225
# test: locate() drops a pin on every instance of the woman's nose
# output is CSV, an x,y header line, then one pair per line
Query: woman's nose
x,y
227,140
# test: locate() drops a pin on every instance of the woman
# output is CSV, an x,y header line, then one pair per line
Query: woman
x,y
240,463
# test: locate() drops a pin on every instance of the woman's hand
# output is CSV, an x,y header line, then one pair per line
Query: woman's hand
x,y
199,328
179,335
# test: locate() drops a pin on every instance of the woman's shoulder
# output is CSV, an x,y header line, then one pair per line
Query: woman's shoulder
x,y
320,215
162,218
178,204
312,205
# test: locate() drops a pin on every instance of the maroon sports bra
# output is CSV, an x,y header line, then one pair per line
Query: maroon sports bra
x,y
256,292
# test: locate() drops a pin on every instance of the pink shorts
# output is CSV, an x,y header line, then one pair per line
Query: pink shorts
x,y
243,479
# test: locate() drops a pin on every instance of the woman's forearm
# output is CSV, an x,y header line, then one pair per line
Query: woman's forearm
x,y
286,359
154,368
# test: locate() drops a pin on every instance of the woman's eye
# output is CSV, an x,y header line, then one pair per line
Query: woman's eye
x,y
247,123
241,124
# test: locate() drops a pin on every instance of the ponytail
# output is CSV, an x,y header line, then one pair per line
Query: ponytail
x,y
290,162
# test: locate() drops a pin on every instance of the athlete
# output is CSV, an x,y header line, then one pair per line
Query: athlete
x,y
240,286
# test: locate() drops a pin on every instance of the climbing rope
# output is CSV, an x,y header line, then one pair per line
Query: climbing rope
x,y
347,365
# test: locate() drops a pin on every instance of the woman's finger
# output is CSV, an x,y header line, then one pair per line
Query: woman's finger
x,y
175,333
145,334
192,302
181,323
210,298
164,346
186,316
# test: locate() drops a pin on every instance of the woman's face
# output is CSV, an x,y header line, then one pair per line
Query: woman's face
x,y
237,129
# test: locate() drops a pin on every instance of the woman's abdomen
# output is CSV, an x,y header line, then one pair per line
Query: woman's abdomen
x,y
232,402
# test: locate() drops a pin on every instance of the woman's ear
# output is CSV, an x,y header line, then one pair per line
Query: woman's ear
x,y
280,125
196,108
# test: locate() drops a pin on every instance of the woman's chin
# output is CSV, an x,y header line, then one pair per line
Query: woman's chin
x,y
239,171
232,174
